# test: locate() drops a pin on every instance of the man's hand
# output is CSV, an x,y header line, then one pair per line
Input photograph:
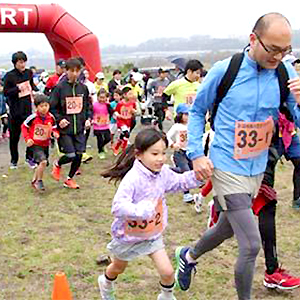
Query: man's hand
x,y
29,142
294,86
203,167
63,123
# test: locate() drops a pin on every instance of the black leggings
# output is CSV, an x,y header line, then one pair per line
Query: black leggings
x,y
103,138
267,228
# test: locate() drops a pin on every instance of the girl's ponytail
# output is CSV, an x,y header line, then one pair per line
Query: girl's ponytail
x,y
123,164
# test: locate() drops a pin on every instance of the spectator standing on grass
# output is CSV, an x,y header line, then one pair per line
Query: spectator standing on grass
x,y
18,89
140,211
237,159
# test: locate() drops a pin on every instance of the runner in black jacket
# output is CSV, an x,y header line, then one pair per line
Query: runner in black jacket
x,y
18,87
73,112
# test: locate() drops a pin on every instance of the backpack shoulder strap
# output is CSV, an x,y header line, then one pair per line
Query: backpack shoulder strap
x,y
283,77
226,82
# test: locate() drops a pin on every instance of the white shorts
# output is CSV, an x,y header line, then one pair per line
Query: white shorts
x,y
128,252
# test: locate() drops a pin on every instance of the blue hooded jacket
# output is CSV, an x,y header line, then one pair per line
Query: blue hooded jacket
x,y
253,97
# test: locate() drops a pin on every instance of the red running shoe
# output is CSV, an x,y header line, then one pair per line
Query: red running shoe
x,y
281,279
56,172
71,184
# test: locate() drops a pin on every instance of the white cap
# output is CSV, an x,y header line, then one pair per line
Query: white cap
x,y
100,75
136,76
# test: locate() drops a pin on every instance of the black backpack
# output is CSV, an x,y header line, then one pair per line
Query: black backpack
x,y
230,76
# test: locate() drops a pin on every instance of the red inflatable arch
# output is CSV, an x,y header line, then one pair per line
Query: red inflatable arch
x,y
66,35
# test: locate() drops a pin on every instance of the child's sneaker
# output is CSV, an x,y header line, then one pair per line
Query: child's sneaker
x,y
101,155
56,171
162,297
38,185
184,269
106,291
71,184
188,198
31,164
86,158
13,166
198,199
115,151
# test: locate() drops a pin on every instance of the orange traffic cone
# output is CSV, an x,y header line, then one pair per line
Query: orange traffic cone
x,y
61,289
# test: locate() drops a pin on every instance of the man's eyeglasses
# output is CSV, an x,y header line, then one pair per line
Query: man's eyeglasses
x,y
274,51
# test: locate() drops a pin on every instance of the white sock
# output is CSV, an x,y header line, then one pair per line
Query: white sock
x,y
189,258
167,291
108,283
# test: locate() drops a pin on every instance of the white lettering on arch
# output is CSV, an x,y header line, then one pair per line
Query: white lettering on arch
x,y
26,12
8,13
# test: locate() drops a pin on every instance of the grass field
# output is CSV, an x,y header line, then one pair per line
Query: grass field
x,y
67,230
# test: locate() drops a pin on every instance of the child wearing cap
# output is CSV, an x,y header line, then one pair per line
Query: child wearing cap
x,y
99,82
37,129
177,138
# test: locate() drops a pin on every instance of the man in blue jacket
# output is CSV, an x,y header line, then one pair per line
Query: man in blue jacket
x,y
244,125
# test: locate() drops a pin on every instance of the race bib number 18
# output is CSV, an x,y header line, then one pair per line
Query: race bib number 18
x,y
251,138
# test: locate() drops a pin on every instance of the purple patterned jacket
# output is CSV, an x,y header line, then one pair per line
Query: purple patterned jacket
x,y
139,206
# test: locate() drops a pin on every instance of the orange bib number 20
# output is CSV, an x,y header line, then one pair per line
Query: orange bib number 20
x,y
74,105
41,132
146,228
251,138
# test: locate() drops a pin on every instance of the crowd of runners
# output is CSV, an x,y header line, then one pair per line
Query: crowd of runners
x,y
251,105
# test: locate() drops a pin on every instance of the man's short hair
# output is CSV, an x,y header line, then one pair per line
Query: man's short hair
x,y
40,98
263,23
20,55
73,63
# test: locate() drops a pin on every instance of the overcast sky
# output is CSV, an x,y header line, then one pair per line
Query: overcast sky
x,y
130,22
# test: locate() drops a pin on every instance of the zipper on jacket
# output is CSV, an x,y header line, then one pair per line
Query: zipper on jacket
x,y
74,116
256,109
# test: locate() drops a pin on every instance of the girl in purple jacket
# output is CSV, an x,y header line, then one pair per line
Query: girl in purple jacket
x,y
140,210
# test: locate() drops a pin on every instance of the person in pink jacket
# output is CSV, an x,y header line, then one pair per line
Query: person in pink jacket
x,y
140,210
